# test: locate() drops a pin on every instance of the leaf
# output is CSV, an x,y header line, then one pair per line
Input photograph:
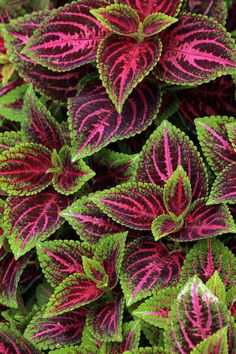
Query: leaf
x,y
95,271
105,320
31,219
216,286
11,100
164,151
214,98
164,225
155,310
224,186
9,139
130,338
123,63
61,258
13,342
216,9
152,6
43,293
216,343
69,177
10,272
120,19
231,130
94,121
73,292
148,267
156,23
68,38
23,169
109,252
214,141
59,86
2,236
205,258
206,221
195,315
56,331
198,55
39,126
89,222
178,193
134,205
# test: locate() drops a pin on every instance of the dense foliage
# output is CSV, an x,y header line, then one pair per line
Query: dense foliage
x,y
117,176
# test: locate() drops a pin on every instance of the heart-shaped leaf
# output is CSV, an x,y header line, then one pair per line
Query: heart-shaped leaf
x,y
53,46
224,186
134,205
23,169
61,258
195,56
94,121
148,267
56,331
123,62
31,219
165,150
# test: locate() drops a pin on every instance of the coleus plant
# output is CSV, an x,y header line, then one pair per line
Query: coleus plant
x,y
117,176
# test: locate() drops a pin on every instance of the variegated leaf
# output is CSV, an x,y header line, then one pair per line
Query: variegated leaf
x,y
224,186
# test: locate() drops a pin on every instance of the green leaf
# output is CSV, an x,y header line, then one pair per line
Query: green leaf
x,y
165,225
216,285
95,271
9,139
231,130
156,22
216,343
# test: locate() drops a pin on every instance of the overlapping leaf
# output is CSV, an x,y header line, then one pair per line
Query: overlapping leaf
x,y
195,315
9,139
231,130
200,54
165,225
39,126
156,23
206,221
147,267
214,8
31,219
167,148
124,62
94,121
56,331
23,169
206,257
216,343
89,221
68,38
61,258
224,186
134,205
213,137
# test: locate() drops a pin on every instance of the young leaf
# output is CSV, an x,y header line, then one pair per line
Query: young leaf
x,y
198,55
155,310
151,6
215,344
164,225
216,9
216,286
9,139
68,38
120,19
224,186
89,221
56,331
205,258
213,138
109,252
156,23
178,193
74,291
94,121
105,320
31,219
10,272
61,258
95,271
195,315
124,62
134,205
148,267
13,342
69,177
39,126
23,169
165,150
206,221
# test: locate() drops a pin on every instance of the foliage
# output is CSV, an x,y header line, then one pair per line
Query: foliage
x,y
117,176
